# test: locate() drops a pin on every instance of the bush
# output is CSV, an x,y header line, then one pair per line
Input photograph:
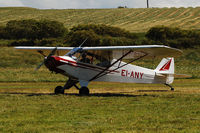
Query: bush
x,y
151,42
105,30
183,42
33,29
51,29
76,38
162,33
116,41
5,42
174,37
45,42
22,42
99,35
3,33
22,29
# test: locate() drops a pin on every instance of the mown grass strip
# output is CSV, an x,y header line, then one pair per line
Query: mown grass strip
x,y
129,19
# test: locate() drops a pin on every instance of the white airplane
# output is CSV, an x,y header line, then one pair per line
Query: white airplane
x,y
85,64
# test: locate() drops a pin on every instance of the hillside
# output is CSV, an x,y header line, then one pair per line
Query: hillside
x,y
135,20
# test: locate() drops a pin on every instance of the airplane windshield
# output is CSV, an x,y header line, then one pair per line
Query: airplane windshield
x,y
95,59
73,51
99,58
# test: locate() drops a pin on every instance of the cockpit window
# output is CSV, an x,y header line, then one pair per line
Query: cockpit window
x,y
85,58
94,58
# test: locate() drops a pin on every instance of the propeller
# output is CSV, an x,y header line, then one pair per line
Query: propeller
x,y
46,58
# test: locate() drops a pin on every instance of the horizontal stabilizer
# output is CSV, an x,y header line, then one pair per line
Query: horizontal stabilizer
x,y
174,75
182,76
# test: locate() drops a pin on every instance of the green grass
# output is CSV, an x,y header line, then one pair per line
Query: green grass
x,y
31,107
132,19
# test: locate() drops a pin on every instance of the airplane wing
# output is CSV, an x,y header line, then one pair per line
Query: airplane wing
x,y
140,50
42,48
46,50
118,51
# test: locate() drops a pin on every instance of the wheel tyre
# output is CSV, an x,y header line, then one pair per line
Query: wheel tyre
x,y
172,89
59,90
84,91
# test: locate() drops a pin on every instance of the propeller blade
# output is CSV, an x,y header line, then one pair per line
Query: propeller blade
x,y
45,58
38,67
42,53
52,52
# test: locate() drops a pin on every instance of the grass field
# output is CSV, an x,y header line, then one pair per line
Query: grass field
x,y
132,19
31,107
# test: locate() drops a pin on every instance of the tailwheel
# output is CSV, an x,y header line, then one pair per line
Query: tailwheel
x,y
83,91
172,89
59,90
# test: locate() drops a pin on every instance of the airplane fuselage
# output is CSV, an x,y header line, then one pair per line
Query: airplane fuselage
x,y
84,71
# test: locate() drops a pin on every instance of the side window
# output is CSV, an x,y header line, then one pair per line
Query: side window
x,y
85,58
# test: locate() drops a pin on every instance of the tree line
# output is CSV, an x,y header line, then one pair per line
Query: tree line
x,y
48,32
174,37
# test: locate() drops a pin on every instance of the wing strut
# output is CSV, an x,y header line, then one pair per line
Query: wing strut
x,y
97,76
100,74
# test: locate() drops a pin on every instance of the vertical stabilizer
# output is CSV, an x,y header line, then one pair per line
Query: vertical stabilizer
x,y
166,68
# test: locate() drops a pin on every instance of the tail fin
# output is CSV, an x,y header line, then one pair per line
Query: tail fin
x,y
166,68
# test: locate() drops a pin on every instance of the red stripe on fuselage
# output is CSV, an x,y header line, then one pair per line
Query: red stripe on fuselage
x,y
81,65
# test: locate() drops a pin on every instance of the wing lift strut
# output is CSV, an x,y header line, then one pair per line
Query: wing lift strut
x,y
103,72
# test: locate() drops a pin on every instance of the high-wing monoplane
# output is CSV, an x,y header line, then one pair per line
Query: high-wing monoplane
x,y
86,64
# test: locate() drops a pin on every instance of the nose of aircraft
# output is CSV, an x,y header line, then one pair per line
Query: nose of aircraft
x,y
52,64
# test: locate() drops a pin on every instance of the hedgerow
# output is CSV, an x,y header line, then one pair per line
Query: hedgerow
x,y
174,37
52,33
100,35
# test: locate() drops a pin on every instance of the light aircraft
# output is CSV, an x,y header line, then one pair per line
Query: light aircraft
x,y
85,64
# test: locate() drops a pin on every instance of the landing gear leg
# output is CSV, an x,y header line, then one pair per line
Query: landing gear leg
x,y
68,85
83,91
172,89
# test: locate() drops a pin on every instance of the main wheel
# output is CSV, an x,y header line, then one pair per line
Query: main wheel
x,y
59,90
84,91
172,89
